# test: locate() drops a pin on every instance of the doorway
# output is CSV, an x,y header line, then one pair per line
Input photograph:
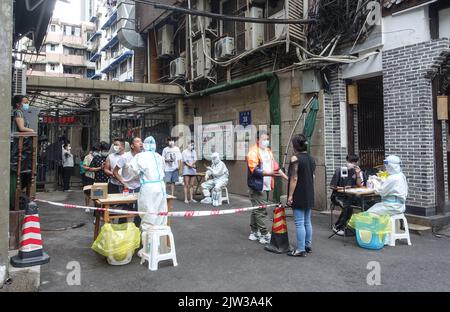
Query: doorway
x,y
371,122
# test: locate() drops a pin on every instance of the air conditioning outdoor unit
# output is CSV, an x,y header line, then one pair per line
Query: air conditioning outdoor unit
x,y
224,48
177,67
200,5
19,83
165,41
276,31
201,64
254,32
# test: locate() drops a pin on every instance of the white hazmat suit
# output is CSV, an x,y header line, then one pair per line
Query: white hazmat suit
x,y
149,165
219,173
393,190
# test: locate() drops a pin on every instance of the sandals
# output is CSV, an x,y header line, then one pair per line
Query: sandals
x,y
297,253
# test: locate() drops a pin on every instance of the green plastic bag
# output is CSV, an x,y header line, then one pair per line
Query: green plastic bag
x,y
117,241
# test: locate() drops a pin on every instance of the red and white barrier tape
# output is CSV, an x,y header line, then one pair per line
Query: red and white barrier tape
x,y
183,214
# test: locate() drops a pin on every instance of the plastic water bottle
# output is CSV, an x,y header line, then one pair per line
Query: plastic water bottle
x,y
125,192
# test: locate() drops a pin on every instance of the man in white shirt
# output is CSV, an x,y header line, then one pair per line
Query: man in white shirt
x,y
67,160
172,158
125,177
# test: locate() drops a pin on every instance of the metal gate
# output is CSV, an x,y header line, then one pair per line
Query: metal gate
x,y
370,122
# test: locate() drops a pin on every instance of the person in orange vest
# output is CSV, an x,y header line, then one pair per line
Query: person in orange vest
x,y
261,170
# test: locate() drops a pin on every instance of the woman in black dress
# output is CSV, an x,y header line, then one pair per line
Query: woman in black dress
x,y
301,194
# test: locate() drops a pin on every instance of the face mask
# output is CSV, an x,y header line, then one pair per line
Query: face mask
x,y
171,143
116,148
350,166
265,144
215,161
191,147
105,154
95,153
26,106
69,148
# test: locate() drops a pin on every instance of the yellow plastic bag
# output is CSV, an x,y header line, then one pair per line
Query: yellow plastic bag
x,y
117,241
371,229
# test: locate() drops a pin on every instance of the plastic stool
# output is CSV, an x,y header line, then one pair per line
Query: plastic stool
x,y
151,240
395,230
225,198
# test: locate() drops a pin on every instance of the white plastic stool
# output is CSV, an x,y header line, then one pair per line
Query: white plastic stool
x,y
395,229
151,240
225,198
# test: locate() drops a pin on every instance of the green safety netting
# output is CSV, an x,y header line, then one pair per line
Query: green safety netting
x,y
310,121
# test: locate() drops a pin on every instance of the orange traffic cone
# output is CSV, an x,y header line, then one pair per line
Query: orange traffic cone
x,y
279,241
30,251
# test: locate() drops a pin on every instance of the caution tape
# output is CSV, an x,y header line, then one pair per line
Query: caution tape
x,y
182,214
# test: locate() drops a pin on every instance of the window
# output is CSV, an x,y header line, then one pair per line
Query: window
x,y
130,63
38,67
228,27
76,31
115,50
123,67
76,70
67,30
52,47
73,51
52,28
52,67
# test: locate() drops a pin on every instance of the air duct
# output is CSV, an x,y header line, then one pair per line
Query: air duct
x,y
126,33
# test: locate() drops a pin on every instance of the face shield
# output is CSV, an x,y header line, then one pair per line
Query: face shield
x,y
150,144
215,158
392,164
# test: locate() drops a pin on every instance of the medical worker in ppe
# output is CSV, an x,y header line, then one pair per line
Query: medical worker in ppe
x,y
393,190
219,174
149,165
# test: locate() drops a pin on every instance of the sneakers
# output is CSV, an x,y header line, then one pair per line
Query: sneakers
x,y
87,210
264,239
308,249
338,232
254,236
186,201
194,201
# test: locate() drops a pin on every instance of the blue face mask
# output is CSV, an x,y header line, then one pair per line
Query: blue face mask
x,y
26,107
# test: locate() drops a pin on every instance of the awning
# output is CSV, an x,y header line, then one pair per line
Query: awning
x,y
96,76
93,19
110,20
75,46
118,61
94,57
113,41
31,19
97,33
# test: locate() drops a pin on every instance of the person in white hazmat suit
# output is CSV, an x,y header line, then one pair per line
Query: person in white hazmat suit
x,y
393,190
219,173
149,165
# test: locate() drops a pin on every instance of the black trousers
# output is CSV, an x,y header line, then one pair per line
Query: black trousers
x,y
67,172
345,202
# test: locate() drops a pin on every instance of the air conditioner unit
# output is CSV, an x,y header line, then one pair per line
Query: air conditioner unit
x,y
19,83
224,48
201,64
165,41
177,67
276,31
254,32
200,5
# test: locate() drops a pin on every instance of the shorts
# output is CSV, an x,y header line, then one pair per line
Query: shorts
x,y
87,181
171,176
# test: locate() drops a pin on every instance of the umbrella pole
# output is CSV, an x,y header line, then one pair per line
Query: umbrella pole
x,y
295,127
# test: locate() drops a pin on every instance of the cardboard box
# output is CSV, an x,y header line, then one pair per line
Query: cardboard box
x,y
99,191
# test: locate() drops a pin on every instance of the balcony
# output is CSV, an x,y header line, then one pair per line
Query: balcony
x,y
111,19
95,35
113,63
110,42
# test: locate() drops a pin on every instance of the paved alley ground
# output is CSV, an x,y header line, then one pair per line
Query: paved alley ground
x,y
214,254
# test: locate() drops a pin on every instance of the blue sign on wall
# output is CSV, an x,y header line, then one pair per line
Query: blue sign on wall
x,y
245,118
